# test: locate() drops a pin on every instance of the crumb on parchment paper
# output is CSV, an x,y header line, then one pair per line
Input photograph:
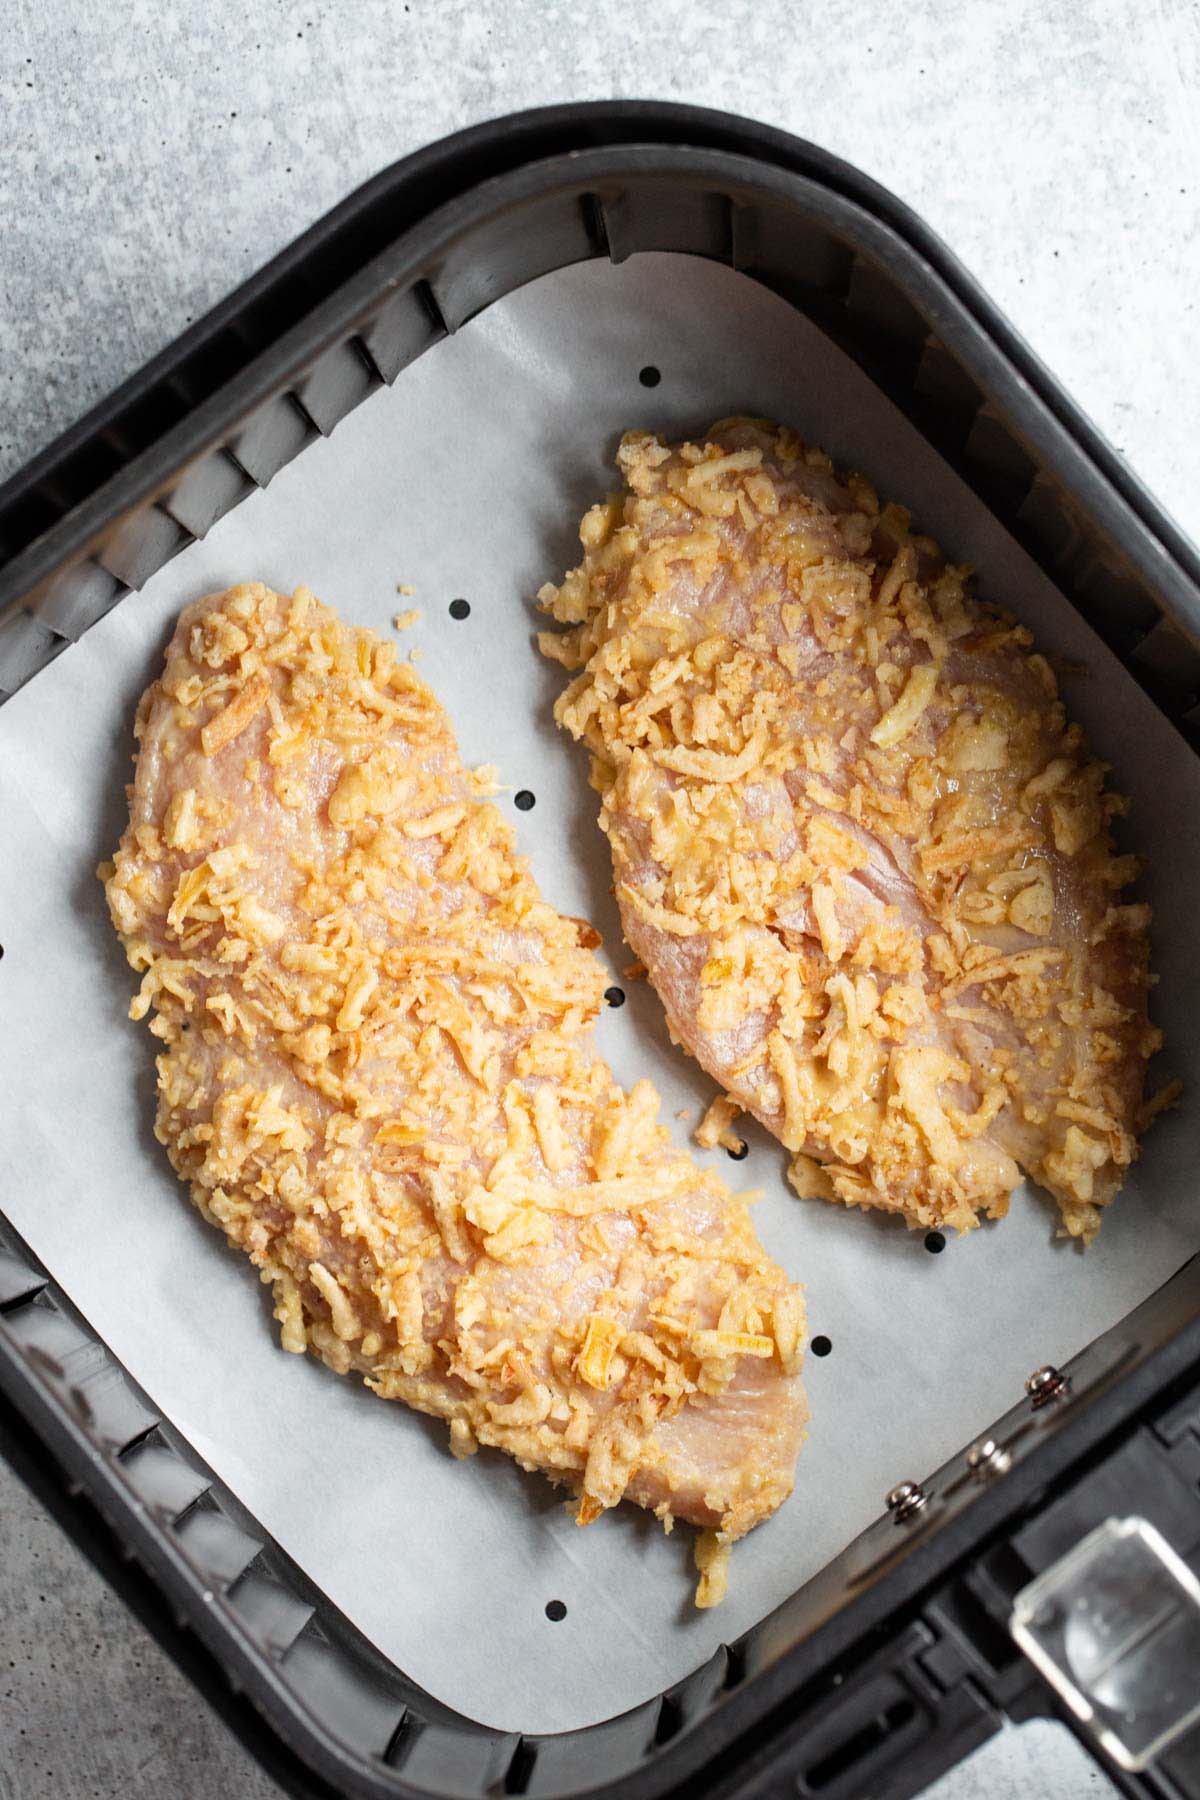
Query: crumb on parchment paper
x,y
712,1561
1162,1100
403,620
716,1127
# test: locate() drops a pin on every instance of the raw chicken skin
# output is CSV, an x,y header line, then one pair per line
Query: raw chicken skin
x,y
376,1082
859,849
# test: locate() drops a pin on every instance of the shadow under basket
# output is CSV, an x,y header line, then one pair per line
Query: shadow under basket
x,y
945,1616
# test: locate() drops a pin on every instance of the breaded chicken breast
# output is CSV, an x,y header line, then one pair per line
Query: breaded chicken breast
x,y
862,854
376,1081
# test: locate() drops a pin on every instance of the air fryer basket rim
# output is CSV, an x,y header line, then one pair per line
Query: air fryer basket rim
x,y
449,194
465,167
454,164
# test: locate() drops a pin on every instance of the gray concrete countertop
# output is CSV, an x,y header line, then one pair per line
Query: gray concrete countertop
x,y
152,157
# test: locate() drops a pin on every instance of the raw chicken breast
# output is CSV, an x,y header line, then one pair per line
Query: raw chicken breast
x,y
376,1081
861,852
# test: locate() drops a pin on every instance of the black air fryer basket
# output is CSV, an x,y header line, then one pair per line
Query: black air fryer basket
x,y
900,1656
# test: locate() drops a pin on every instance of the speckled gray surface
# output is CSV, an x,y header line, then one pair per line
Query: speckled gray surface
x,y
151,157
89,1706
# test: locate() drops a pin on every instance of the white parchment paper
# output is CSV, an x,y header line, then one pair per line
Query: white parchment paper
x,y
467,479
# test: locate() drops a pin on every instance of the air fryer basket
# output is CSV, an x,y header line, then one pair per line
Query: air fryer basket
x,y
897,1659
